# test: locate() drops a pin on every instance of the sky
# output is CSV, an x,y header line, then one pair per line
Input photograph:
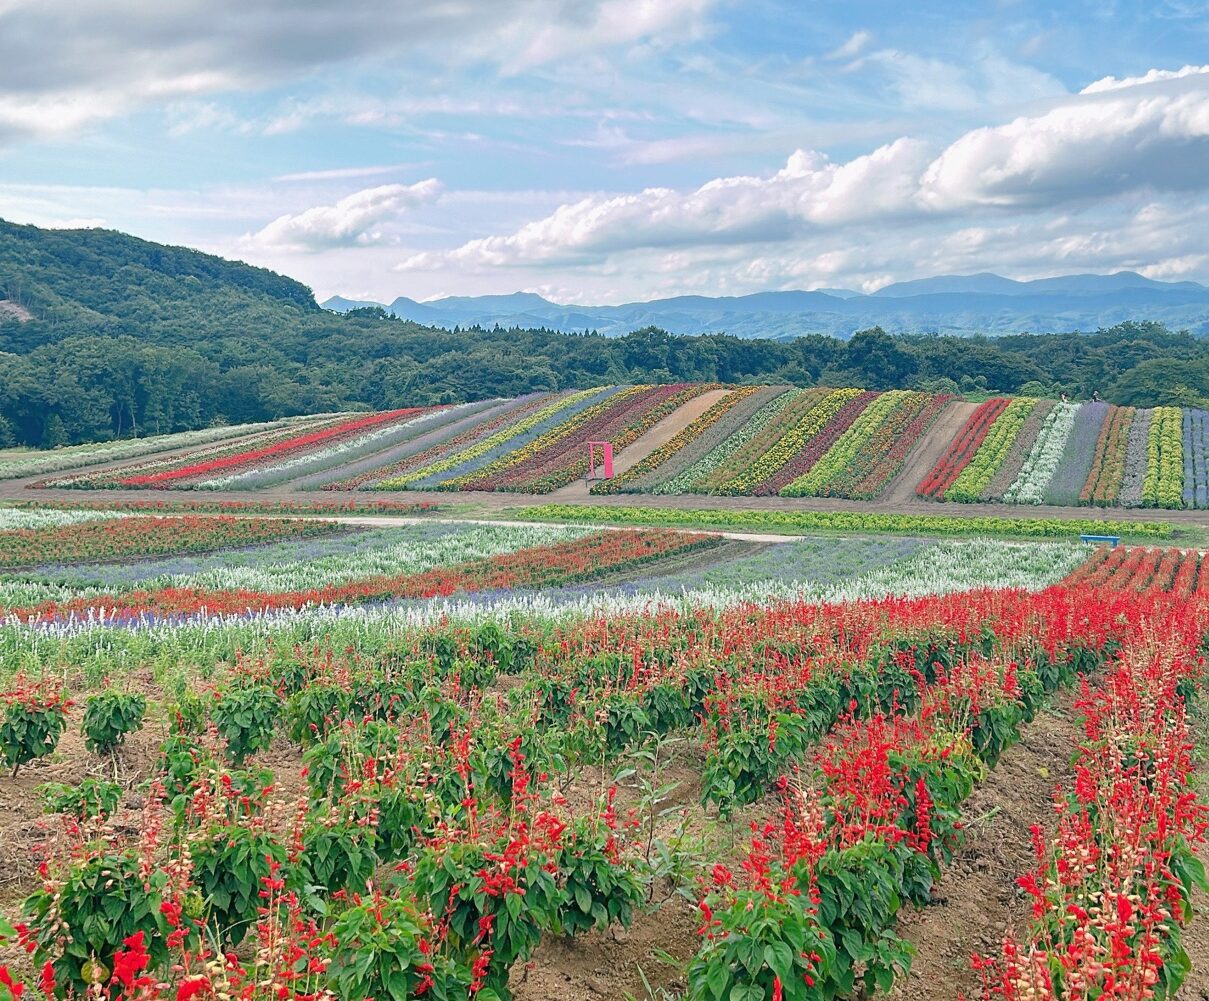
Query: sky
x,y
605,151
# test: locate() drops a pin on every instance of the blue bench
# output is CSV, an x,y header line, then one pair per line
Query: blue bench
x,y
1112,540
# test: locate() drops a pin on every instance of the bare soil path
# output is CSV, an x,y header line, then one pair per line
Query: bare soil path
x,y
663,432
977,897
925,455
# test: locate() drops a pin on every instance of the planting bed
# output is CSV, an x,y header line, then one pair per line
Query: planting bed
x,y
497,761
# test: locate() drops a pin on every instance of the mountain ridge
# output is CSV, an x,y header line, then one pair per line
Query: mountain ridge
x,y
956,304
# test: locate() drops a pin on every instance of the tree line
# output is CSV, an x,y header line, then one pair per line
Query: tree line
x,y
90,388
132,338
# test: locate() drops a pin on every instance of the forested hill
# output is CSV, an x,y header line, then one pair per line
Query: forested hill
x,y
116,284
105,335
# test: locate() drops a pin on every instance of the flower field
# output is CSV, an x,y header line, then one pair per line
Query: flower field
x,y
755,440
78,456
750,441
124,538
296,787
815,443
582,558
1027,451
68,510
272,457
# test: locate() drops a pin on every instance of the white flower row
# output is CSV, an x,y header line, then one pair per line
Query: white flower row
x,y
342,451
60,459
19,518
1042,462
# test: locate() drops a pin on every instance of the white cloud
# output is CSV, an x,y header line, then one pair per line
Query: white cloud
x,y
343,173
353,221
65,64
854,46
1153,76
1087,147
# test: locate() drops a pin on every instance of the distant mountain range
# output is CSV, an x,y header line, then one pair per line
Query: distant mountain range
x,y
949,304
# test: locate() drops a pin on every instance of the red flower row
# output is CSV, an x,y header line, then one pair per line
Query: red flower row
x,y
125,538
279,450
961,450
538,566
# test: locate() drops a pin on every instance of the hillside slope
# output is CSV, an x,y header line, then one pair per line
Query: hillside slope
x,y
103,281
103,335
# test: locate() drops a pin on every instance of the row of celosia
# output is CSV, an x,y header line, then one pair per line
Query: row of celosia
x,y
1028,451
537,566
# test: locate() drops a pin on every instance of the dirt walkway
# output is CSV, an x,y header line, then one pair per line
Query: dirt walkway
x,y
977,897
925,455
663,432
379,521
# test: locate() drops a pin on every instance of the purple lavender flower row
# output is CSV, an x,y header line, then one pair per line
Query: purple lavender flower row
x,y
1075,464
1196,459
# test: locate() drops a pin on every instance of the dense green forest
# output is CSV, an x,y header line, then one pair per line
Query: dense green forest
x,y
129,337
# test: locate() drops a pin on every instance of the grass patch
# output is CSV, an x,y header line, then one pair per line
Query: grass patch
x,y
813,522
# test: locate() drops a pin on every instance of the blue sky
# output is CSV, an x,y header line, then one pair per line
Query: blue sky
x,y
611,150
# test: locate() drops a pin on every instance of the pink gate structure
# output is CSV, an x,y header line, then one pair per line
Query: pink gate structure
x,y
606,460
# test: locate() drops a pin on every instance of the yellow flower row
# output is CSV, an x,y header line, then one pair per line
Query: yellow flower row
x,y
845,447
501,436
792,442
1164,482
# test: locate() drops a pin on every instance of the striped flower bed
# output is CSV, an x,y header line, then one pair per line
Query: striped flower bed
x,y
1135,459
236,444
342,451
507,437
289,448
642,473
565,460
767,475
991,454
962,449
882,456
805,460
1075,464
549,434
800,403
520,409
1103,485
582,559
761,411
1009,471
839,457
867,443
1042,462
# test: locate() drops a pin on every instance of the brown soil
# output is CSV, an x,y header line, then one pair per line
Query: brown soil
x,y
977,900
663,432
924,456
23,825
663,939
